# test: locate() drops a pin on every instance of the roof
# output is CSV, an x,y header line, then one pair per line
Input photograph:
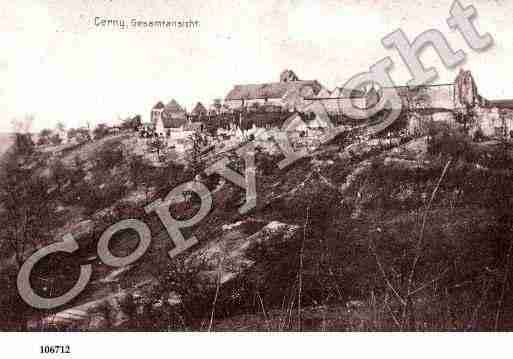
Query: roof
x,y
173,106
158,105
337,93
501,104
199,109
270,90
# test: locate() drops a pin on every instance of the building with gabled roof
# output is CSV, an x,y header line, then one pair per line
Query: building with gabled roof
x,y
168,117
159,105
287,93
173,107
199,110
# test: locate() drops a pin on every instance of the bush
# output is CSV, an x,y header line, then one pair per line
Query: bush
x,y
104,197
185,280
109,155
450,142
100,131
56,140
15,315
42,141
478,135
81,135
265,163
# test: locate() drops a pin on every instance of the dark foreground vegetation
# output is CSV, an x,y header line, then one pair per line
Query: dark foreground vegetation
x,y
397,240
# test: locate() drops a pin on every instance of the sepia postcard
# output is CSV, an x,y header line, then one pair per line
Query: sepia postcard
x,y
255,166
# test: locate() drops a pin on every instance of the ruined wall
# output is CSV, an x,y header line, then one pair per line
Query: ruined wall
x,y
461,94
493,122
488,119
441,97
339,105
433,97
466,94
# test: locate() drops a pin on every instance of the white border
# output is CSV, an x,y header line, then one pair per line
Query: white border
x,y
258,345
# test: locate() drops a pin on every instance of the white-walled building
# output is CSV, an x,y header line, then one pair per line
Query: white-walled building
x,y
288,93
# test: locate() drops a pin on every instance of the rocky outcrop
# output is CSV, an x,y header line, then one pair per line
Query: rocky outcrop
x,y
224,259
227,255
466,94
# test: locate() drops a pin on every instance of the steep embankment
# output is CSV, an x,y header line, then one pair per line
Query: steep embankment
x,y
384,238
6,141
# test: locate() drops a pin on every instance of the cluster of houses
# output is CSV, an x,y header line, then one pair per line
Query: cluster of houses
x,y
249,107
306,108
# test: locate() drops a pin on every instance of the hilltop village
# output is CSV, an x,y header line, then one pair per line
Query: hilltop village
x,y
263,109
304,110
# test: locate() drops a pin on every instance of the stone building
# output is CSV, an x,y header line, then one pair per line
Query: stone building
x,y
495,119
427,104
166,118
337,101
199,110
288,93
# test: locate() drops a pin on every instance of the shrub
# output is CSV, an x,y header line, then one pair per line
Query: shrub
x,y
195,292
100,131
450,142
478,135
15,316
93,198
55,139
109,155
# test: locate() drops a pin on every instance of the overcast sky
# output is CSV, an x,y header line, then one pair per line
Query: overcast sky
x,y
57,65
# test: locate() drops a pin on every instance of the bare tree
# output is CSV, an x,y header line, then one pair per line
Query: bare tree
x,y
194,154
60,126
27,206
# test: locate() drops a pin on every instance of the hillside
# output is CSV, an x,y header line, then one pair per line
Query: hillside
x,y
5,141
393,235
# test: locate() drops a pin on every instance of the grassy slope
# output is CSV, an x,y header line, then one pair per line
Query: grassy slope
x,y
344,204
